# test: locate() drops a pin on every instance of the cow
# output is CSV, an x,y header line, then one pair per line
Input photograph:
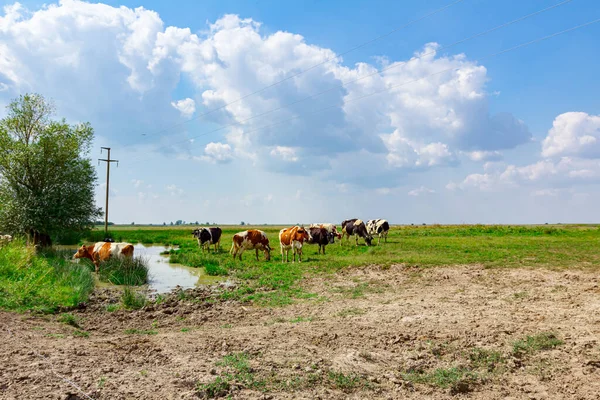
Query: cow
x,y
330,228
355,227
321,237
102,251
379,227
293,238
248,240
5,239
208,236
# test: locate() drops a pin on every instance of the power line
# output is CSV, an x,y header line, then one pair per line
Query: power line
x,y
395,65
418,79
412,22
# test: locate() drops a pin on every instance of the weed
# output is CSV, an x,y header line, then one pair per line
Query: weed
x,y
351,312
301,319
80,333
218,388
69,319
144,372
185,329
521,295
112,307
443,377
484,358
56,335
101,382
134,331
132,300
346,383
532,344
227,326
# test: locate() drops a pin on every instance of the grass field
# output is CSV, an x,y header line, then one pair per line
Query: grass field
x,y
501,246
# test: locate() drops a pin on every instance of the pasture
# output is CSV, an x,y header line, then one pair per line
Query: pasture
x,y
438,312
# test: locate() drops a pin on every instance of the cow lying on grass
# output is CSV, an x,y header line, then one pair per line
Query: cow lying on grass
x,y
248,240
292,239
102,251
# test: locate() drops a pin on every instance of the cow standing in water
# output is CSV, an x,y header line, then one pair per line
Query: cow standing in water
x,y
102,251
321,237
293,238
379,227
207,237
355,227
248,240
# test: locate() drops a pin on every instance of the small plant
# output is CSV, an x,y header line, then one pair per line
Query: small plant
x,y
144,372
521,295
483,358
301,319
444,377
132,300
185,329
69,319
101,382
227,326
134,331
351,312
215,270
346,383
112,307
531,344
80,333
218,388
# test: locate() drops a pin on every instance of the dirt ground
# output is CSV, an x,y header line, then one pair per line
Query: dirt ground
x,y
396,333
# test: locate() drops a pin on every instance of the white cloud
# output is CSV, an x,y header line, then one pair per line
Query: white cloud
x,y
284,153
217,153
173,190
421,191
483,155
187,107
573,134
137,183
383,191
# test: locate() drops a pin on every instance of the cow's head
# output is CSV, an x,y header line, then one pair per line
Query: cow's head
x,y
267,250
330,237
303,234
81,252
368,239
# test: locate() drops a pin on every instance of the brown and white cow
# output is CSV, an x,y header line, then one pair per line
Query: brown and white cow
x,y
331,228
102,251
293,238
355,227
248,240
379,227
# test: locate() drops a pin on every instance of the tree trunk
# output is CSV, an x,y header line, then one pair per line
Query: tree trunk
x,y
40,240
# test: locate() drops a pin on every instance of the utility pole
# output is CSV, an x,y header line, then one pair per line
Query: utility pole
x,y
107,161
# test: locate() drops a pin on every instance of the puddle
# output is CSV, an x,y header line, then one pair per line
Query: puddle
x,y
164,276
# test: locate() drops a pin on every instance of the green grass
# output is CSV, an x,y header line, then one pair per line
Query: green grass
x,y
236,368
535,343
134,331
132,300
347,383
124,271
80,333
45,282
276,284
69,319
443,377
486,359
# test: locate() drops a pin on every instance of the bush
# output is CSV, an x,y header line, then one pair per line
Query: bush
x,y
46,282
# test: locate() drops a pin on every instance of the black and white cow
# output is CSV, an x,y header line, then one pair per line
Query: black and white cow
x,y
208,236
321,236
379,227
355,227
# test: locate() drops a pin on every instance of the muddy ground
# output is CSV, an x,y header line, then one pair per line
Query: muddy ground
x,y
397,333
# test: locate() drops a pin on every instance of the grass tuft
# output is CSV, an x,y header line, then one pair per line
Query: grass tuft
x,y
124,271
532,344
132,300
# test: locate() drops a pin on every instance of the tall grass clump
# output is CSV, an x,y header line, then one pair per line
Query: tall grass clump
x,y
45,282
132,300
124,271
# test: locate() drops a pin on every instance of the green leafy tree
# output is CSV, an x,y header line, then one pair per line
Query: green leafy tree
x,y
46,181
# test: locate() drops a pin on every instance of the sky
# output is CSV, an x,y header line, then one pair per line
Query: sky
x,y
320,111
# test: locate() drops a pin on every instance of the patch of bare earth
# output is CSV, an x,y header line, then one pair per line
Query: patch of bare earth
x,y
370,333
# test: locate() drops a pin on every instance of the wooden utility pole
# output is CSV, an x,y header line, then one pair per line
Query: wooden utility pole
x,y
107,161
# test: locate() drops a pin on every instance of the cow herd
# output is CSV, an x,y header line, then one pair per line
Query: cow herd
x,y
290,239
293,238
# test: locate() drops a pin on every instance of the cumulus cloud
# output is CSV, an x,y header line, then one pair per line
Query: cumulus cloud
x,y
573,134
422,118
217,153
483,155
420,191
187,107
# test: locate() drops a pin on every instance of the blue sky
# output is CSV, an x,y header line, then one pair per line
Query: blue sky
x,y
508,139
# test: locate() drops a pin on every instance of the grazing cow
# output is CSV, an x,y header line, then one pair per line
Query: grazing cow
x,y
379,227
293,238
355,227
248,240
330,228
102,251
208,236
4,239
321,237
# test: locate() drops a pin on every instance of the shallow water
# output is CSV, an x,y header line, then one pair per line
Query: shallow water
x,y
163,276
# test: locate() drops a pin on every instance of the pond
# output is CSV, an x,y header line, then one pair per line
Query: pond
x,y
165,276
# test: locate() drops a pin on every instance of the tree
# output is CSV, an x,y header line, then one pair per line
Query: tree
x,y
46,181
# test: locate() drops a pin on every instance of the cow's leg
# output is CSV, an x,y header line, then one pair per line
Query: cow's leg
x,y
300,254
379,240
323,249
282,259
356,237
256,254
